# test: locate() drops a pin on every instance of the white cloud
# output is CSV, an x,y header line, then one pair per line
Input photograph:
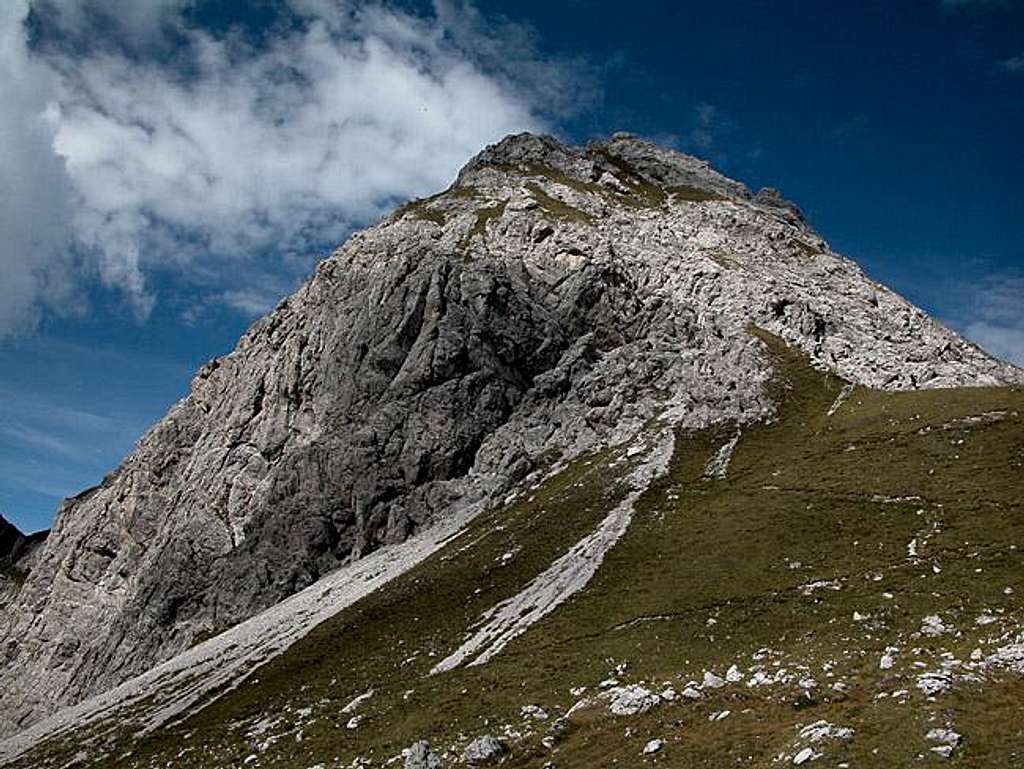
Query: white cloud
x,y
33,185
225,153
1013,65
1006,342
702,135
996,316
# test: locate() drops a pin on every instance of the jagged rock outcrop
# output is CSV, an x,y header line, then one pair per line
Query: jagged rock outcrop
x,y
551,300
18,553
11,541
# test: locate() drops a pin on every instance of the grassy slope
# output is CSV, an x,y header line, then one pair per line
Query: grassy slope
x,y
709,573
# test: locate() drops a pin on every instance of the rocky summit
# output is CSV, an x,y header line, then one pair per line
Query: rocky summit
x,y
575,372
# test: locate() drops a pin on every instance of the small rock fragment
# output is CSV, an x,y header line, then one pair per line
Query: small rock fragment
x,y
653,746
630,700
419,756
934,683
822,730
933,625
484,750
888,658
712,681
803,757
949,740
533,711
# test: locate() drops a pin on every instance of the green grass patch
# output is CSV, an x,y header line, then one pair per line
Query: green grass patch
x,y
724,260
557,208
484,216
643,192
806,248
420,209
687,194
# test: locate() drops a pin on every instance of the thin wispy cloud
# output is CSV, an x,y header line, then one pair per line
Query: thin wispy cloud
x,y
995,313
707,120
960,5
29,436
221,152
851,129
1014,65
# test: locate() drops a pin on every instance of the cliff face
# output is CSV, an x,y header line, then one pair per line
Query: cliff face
x,y
552,300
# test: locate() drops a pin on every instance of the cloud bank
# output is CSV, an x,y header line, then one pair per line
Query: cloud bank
x,y
34,187
228,163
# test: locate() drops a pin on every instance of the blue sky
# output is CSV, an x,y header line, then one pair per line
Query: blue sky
x,y
171,168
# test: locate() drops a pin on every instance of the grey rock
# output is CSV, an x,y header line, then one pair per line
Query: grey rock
x,y
419,756
949,741
630,700
424,365
822,731
653,746
484,750
803,756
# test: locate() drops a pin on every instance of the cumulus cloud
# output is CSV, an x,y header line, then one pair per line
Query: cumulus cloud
x,y
33,183
222,152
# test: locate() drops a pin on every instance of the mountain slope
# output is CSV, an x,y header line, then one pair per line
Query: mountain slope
x,y
851,557
553,302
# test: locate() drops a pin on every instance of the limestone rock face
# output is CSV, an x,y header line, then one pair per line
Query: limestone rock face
x,y
552,300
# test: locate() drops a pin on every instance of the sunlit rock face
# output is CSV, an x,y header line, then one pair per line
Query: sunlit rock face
x,y
552,300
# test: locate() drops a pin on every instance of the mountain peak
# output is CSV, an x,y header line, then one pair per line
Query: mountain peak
x,y
606,162
555,302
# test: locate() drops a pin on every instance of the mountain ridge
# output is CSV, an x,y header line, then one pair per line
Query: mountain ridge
x,y
553,300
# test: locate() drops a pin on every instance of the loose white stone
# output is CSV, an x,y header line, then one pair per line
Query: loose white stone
x,y
630,700
933,625
822,730
712,681
534,712
934,683
653,746
803,756
888,658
